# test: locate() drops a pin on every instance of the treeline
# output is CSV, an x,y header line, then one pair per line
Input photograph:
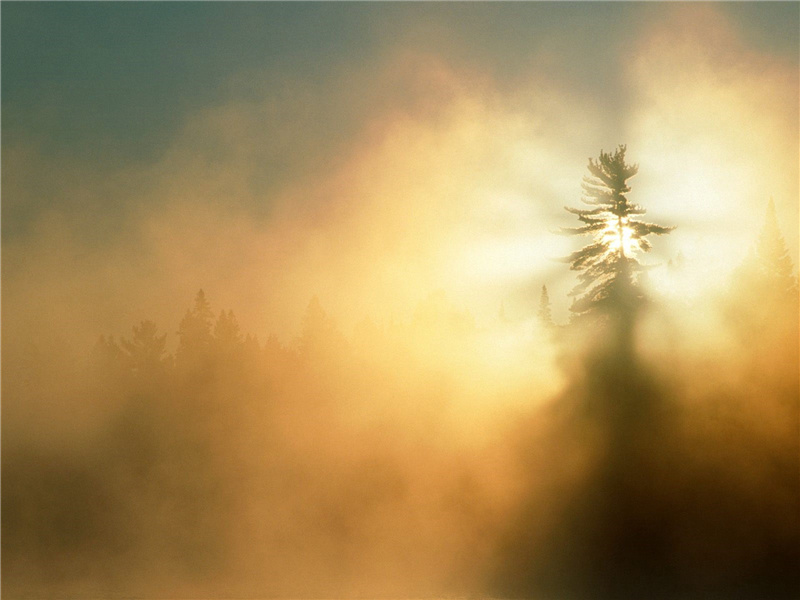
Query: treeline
x,y
331,466
393,462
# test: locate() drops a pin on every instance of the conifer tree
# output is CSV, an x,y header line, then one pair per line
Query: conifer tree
x,y
763,293
144,352
545,314
226,331
195,331
608,266
771,258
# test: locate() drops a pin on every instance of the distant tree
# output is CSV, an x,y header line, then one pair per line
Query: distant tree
x,y
770,261
194,332
317,328
145,351
274,354
763,295
227,336
251,350
545,313
321,341
608,266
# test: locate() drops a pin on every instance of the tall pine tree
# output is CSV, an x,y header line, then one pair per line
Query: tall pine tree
x,y
608,265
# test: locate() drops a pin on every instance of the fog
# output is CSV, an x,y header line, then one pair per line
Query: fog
x,y
298,352
404,459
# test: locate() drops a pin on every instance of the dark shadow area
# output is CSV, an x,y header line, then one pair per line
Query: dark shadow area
x,y
660,475
657,482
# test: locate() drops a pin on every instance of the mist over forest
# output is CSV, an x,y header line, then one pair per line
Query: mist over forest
x,y
287,314
393,460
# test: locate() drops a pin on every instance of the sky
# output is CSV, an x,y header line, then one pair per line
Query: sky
x,y
372,153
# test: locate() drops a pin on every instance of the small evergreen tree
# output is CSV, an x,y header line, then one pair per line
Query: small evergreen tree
x,y
251,349
545,313
145,351
194,331
770,258
227,335
763,294
608,265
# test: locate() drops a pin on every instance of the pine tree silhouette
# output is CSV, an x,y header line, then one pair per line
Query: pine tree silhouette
x,y
608,265
145,351
770,257
194,332
227,335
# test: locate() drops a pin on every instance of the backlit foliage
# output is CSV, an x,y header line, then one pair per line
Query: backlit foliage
x,y
608,264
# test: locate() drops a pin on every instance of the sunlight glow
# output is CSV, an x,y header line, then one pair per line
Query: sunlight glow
x,y
611,236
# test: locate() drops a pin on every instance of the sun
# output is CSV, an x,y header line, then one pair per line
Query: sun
x,y
618,235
